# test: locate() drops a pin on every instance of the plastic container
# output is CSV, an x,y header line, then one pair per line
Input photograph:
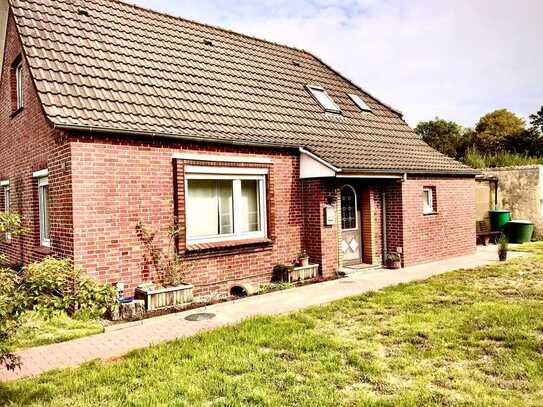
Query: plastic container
x,y
498,219
519,231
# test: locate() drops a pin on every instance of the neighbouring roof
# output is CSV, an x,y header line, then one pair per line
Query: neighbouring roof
x,y
106,64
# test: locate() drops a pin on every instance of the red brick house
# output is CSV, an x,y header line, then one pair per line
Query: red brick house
x,y
112,115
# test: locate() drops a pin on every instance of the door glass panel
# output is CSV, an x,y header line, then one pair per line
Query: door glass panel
x,y
348,208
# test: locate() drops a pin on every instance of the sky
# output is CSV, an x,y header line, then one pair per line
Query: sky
x,y
453,59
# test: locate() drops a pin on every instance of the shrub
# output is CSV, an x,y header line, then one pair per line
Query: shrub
x,y
475,159
53,286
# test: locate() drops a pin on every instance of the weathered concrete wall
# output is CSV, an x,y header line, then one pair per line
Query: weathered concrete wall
x,y
485,195
520,189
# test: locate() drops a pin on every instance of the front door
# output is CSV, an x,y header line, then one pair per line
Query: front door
x,y
351,243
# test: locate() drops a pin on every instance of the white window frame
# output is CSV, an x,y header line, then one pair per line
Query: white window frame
x,y
7,206
319,89
428,205
236,175
44,240
359,102
19,85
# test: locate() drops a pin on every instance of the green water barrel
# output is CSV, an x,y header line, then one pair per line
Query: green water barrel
x,y
519,231
498,219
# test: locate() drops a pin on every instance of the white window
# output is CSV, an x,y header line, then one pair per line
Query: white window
x,y
428,200
226,206
19,84
7,206
43,201
360,103
324,99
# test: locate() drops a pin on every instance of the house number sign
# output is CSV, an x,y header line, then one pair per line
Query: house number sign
x,y
329,215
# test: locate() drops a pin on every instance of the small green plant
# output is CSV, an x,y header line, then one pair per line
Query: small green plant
x,y
503,247
394,256
267,288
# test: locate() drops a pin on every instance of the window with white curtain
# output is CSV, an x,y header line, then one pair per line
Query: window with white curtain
x,y
43,203
226,206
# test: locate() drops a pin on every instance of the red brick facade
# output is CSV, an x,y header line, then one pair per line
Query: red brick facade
x,y
29,143
102,187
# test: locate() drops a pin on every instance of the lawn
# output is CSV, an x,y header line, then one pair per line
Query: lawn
x,y
472,337
37,331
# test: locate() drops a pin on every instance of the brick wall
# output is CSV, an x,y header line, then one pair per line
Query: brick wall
x,y
118,183
447,233
29,143
320,241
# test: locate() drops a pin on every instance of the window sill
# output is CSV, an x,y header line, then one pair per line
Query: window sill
x,y
43,250
430,214
16,112
226,245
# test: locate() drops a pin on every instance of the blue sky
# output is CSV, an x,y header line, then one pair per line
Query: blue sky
x,y
456,59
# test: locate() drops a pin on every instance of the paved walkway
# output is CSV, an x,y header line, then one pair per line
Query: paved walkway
x,y
117,342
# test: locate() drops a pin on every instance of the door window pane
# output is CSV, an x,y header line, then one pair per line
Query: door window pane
x,y
249,211
348,208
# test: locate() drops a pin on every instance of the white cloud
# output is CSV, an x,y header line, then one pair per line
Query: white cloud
x,y
456,59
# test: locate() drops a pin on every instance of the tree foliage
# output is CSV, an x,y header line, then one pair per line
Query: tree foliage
x,y
497,131
447,137
536,120
499,137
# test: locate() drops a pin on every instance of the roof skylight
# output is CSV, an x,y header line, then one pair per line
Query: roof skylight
x,y
324,99
360,103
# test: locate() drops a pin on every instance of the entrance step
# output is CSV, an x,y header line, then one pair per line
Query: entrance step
x,y
358,268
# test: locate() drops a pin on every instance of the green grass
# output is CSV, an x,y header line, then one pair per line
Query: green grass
x,y
471,337
37,331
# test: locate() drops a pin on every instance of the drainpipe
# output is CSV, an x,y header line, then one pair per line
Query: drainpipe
x,y
384,225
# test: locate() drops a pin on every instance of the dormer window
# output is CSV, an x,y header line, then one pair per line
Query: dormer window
x,y
360,103
324,99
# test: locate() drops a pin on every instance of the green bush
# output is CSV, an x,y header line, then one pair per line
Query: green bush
x,y
475,159
54,286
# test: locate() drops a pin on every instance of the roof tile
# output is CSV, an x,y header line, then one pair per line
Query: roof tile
x,y
128,68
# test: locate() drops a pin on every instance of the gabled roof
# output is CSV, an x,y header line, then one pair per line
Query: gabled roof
x,y
107,65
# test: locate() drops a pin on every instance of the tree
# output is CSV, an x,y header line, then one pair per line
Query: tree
x,y
536,120
498,131
447,137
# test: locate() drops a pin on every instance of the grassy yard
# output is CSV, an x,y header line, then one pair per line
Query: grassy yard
x,y
36,331
471,337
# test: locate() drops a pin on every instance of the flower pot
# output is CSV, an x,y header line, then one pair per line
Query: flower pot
x,y
303,273
304,261
394,264
502,256
165,297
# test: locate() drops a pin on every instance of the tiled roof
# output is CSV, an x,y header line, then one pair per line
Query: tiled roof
x,y
109,65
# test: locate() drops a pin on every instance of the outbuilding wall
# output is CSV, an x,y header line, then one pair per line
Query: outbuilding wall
x,y
520,190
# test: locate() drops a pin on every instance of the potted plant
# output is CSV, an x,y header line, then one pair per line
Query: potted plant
x,y
394,261
303,258
503,247
171,270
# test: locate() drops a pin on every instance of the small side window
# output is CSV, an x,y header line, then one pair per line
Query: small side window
x,y
429,200
43,201
7,205
17,85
